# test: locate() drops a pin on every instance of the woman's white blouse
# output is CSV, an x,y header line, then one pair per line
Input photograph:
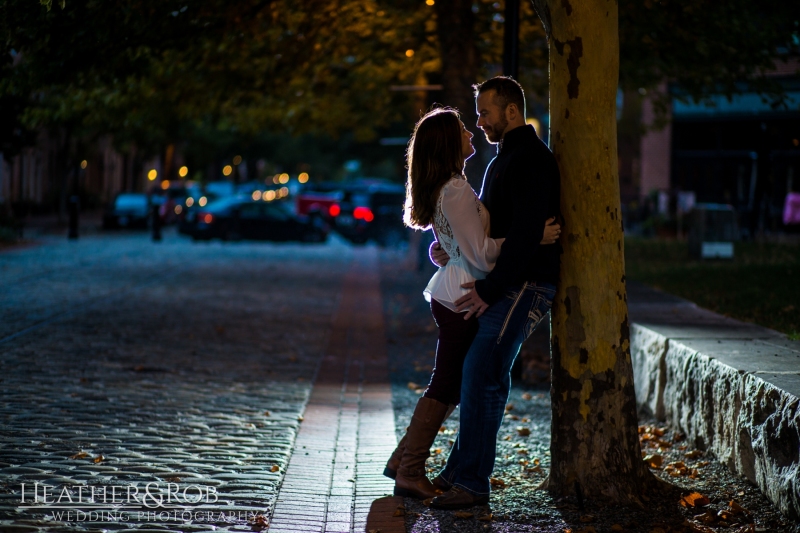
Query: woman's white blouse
x,y
461,224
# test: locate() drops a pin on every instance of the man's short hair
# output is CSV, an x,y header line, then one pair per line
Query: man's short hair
x,y
507,90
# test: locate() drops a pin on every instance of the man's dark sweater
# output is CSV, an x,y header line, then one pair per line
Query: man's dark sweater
x,y
521,190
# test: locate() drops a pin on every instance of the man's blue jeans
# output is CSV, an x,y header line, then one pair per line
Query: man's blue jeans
x,y
487,381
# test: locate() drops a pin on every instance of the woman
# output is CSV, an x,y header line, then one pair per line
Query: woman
x,y
439,197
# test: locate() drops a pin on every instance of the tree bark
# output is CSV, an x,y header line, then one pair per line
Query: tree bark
x,y
595,449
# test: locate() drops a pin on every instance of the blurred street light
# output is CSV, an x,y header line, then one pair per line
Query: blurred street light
x,y
237,160
303,177
152,174
226,170
183,171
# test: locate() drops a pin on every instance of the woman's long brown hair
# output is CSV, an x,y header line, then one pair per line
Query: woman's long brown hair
x,y
434,154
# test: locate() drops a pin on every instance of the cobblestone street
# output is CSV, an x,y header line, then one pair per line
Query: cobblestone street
x,y
190,367
255,387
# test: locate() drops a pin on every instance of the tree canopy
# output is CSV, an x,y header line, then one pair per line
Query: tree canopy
x,y
152,72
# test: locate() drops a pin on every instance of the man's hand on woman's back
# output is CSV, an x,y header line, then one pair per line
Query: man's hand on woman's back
x,y
438,256
552,231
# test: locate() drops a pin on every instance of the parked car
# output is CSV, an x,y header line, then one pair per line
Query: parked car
x,y
373,211
197,199
170,197
241,217
128,210
220,188
321,199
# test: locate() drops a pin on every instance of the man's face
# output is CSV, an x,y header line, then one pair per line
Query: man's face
x,y
491,117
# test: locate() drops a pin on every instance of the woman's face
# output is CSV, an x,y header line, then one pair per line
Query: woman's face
x,y
466,142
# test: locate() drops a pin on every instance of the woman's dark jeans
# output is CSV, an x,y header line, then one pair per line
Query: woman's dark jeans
x,y
455,338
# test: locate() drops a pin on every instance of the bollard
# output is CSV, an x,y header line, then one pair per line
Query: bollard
x,y
156,223
74,206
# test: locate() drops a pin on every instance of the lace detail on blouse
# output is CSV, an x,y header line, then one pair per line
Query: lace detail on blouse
x,y
444,232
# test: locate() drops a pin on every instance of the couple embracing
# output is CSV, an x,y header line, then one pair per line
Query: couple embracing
x,y
495,283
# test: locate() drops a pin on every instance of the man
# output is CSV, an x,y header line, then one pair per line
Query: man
x,y
521,190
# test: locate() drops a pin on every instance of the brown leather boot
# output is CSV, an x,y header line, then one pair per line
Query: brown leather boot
x,y
394,461
411,480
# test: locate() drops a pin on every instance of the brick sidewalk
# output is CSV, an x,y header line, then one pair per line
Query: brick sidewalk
x,y
125,363
334,481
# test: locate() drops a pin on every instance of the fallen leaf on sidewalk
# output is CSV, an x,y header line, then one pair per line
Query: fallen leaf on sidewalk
x,y
737,509
522,431
300,418
694,527
79,455
694,454
485,518
462,514
706,518
172,479
267,413
496,482
695,499
527,396
412,386
654,461
510,407
99,459
274,468
259,521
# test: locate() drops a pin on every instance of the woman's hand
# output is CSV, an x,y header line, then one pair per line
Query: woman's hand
x,y
552,231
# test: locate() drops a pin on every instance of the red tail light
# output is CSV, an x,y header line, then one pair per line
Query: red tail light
x,y
205,217
363,213
334,210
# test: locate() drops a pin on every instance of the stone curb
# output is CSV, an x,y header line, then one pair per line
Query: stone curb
x,y
732,388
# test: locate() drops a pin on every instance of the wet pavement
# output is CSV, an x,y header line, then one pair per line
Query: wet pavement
x,y
179,365
249,387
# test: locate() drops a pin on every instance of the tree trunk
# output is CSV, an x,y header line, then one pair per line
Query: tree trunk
x,y
455,27
595,448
